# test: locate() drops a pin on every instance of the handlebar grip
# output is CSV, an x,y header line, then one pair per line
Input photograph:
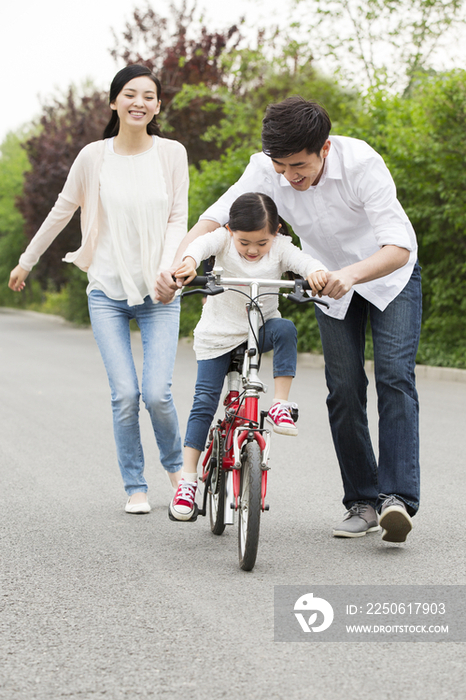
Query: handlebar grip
x,y
197,282
204,285
298,296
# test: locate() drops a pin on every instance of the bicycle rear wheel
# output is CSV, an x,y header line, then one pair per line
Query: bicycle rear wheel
x,y
217,485
250,506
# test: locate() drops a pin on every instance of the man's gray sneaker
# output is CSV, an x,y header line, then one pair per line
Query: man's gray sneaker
x,y
358,520
394,519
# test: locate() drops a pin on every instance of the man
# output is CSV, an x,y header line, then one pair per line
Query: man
x,y
340,199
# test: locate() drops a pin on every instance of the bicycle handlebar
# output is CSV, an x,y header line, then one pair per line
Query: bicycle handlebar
x,y
207,285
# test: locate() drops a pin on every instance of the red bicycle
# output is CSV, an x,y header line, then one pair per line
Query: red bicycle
x,y
235,465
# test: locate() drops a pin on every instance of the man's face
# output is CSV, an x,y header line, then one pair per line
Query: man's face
x,y
302,169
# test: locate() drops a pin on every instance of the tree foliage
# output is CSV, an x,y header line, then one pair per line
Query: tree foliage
x,y
215,90
381,42
422,137
266,80
13,163
181,51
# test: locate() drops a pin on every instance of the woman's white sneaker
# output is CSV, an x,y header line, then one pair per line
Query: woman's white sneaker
x,y
138,508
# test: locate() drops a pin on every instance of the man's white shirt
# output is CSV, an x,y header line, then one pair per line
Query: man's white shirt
x,y
349,215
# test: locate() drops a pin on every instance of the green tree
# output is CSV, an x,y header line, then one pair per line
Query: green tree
x,y
257,81
182,51
13,165
262,75
422,138
380,42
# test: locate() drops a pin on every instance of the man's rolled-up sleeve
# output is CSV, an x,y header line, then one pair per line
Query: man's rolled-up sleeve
x,y
376,190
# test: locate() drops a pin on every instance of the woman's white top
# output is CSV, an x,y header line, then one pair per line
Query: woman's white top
x,y
132,223
145,240
224,322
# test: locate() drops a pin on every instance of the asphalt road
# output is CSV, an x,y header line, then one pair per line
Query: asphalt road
x,y
99,604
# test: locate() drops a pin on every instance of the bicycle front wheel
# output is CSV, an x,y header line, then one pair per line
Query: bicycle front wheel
x,y
250,506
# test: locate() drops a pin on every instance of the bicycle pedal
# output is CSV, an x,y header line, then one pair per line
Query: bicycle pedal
x,y
294,414
192,519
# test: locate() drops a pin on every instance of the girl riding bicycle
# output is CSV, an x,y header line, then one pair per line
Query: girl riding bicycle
x,y
249,246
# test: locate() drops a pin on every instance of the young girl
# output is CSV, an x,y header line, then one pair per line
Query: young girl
x,y
132,189
249,246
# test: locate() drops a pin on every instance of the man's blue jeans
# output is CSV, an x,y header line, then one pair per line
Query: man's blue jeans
x,y
395,334
159,326
278,334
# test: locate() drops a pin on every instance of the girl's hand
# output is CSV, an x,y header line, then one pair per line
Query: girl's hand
x,y
17,277
317,281
186,271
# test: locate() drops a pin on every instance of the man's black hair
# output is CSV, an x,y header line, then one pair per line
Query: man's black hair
x,y
294,125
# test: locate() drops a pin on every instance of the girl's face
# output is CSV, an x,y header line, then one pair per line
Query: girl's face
x,y
252,245
137,104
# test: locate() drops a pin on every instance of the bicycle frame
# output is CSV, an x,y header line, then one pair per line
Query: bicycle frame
x,y
241,421
235,466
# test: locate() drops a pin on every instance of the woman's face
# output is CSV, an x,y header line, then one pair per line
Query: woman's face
x,y
137,104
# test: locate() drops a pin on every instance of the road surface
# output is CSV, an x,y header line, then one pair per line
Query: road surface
x,y
99,604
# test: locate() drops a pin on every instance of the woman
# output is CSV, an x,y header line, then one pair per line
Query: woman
x,y
132,189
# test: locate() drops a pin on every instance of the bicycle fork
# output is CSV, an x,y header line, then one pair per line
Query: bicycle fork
x,y
240,436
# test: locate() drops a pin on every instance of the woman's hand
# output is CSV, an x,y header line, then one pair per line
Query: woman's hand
x,y
317,281
17,279
186,271
165,287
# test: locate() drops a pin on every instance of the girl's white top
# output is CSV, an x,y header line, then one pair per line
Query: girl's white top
x,y
224,322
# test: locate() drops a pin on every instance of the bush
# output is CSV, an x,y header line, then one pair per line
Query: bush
x,y
422,137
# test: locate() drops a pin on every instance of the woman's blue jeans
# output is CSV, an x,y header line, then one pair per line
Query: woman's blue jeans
x,y
159,324
278,334
395,334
